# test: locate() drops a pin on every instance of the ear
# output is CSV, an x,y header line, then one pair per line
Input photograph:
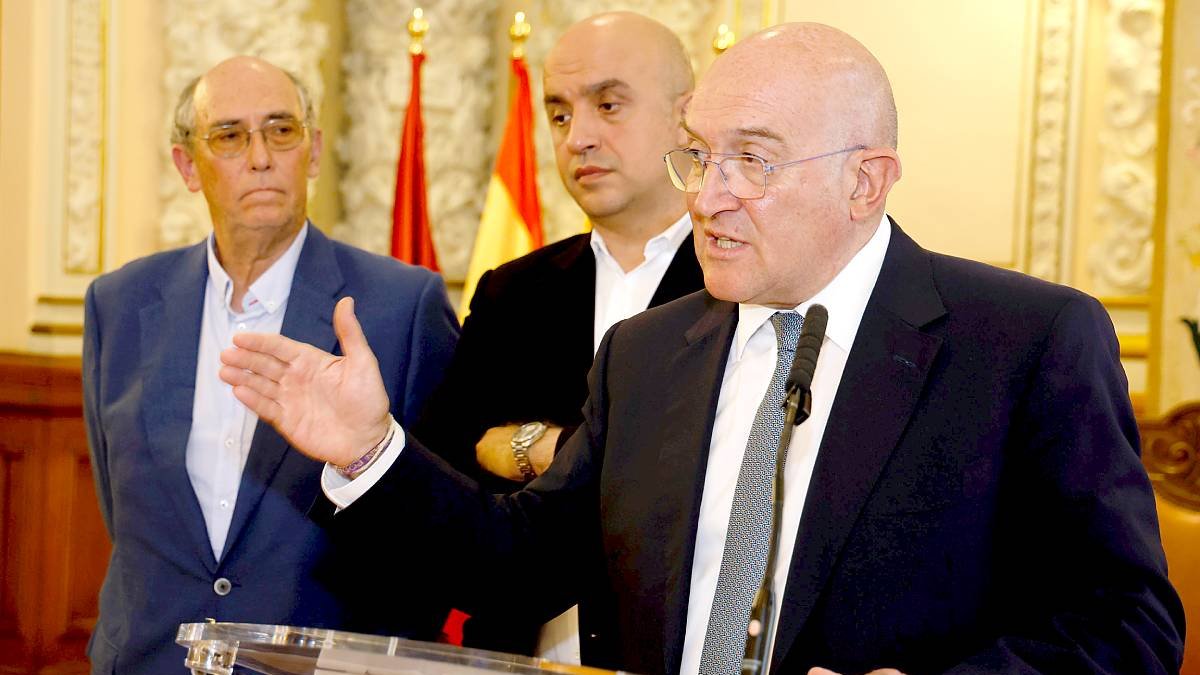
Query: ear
x,y
878,170
186,166
314,153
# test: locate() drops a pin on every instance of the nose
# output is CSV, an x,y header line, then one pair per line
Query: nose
x,y
581,136
258,154
714,196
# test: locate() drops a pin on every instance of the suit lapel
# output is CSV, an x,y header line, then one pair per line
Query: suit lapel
x,y
682,277
576,306
880,386
309,319
170,334
696,373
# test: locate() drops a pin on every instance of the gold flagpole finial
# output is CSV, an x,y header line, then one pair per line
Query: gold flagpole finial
x,y
417,27
724,39
518,32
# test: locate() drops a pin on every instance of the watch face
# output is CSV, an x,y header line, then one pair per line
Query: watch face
x,y
529,432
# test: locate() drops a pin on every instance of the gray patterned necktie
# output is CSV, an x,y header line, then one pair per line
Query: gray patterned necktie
x,y
744,560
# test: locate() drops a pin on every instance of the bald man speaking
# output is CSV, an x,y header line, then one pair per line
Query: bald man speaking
x,y
965,497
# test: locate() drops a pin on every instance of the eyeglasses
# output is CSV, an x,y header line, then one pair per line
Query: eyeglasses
x,y
745,175
231,140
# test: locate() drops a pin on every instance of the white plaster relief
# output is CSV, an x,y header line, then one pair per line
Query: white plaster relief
x,y
83,218
1121,261
1046,209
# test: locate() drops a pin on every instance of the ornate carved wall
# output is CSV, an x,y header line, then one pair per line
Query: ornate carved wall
x,y
458,94
1121,261
201,34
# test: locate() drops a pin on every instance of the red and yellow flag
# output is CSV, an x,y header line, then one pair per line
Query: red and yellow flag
x,y
511,225
412,240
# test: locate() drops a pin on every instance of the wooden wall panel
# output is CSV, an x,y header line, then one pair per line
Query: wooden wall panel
x,y
53,547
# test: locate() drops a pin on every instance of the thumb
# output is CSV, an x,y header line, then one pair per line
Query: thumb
x,y
349,331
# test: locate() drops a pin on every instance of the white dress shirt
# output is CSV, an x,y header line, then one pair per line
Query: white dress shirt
x,y
748,372
621,294
222,428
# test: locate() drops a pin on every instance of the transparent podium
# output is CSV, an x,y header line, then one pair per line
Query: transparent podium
x,y
220,648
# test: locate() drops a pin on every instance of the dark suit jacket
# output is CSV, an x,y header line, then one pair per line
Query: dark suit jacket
x,y
142,328
977,505
525,351
526,348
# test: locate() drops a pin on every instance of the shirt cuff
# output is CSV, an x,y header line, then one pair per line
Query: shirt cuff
x,y
343,492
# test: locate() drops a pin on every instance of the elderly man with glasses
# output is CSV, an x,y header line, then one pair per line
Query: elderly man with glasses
x,y
205,507
965,495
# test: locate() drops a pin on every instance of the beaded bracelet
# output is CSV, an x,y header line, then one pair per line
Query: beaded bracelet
x,y
353,469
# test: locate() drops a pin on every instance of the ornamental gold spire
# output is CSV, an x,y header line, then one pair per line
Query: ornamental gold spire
x,y
417,27
518,32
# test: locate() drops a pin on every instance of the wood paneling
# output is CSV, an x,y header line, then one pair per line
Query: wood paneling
x,y
1171,453
53,547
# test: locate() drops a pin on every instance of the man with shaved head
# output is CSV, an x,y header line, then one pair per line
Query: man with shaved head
x,y
614,88
965,495
206,509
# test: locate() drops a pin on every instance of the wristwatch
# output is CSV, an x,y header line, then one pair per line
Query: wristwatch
x,y
526,436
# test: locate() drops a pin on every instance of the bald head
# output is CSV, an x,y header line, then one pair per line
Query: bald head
x,y
658,49
829,74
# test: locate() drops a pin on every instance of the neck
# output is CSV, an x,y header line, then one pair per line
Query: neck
x,y
246,253
626,234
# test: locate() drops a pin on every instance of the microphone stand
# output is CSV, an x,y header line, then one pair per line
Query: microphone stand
x,y
797,405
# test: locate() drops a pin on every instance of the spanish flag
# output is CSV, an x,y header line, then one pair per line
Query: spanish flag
x,y
412,240
511,225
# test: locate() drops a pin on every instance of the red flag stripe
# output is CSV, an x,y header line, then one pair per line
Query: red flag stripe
x,y
412,240
516,163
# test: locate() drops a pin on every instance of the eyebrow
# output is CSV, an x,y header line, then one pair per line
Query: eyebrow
x,y
590,90
759,132
233,121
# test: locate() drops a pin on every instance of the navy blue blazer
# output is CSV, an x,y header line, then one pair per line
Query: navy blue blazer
x,y
977,504
141,331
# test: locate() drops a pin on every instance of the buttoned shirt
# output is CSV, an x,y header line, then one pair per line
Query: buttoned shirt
x,y
748,372
621,294
222,428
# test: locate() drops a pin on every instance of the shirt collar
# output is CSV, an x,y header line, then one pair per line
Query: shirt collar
x,y
271,289
667,240
845,296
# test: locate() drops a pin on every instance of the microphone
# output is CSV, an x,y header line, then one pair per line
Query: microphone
x,y
799,381
797,404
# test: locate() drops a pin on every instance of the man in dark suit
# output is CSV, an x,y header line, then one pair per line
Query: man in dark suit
x,y
206,509
966,496
614,87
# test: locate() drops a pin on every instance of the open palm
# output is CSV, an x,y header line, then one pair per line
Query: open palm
x,y
332,408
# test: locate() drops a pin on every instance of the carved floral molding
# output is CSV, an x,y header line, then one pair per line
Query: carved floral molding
x,y
1121,261
1051,131
83,225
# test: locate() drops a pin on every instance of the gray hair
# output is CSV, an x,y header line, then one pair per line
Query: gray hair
x,y
185,109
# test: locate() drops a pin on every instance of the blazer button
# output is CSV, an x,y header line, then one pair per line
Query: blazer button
x,y
222,586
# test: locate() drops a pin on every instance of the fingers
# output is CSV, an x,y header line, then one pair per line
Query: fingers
x,y
349,331
239,377
244,359
267,410
821,671
278,346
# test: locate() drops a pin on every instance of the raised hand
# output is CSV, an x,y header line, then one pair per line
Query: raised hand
x,y
331,408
